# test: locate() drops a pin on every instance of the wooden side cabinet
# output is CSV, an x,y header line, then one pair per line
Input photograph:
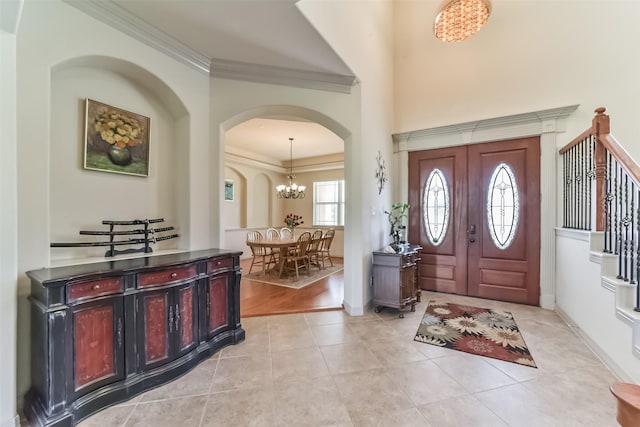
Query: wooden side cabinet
x,y
103,333
395,279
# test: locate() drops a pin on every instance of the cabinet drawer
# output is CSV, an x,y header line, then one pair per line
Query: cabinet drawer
x,y
94,288
218,263
166,276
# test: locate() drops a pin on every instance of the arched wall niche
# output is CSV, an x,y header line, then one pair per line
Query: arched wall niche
x,y
81,199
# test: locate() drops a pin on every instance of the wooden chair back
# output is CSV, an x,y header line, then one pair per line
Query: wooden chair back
x,y
272,233
286,233
254,236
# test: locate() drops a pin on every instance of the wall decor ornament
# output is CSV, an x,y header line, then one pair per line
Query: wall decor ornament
x,y
381,172
116,140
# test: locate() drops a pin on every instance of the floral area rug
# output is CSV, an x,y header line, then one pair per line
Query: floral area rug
x,y
271,277
474,330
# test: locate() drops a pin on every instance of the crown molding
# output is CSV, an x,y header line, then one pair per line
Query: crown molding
x,y
534,123
122,20
316,167
236,70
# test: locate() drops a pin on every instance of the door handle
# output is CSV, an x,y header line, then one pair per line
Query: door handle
x,y
471,231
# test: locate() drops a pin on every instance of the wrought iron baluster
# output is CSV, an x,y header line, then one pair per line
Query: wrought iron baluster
x,y
637,307
564,190
579,185
616,198
573,188
632,225
591,175
607,206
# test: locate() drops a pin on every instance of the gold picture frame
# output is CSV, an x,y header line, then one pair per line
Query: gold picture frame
x,y
116,140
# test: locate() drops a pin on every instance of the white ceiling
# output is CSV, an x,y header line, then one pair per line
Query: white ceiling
x,y
264,32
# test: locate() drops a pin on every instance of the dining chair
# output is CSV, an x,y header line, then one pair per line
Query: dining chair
x,y
314,249
286,233
261,255
297,258
325,247
274,234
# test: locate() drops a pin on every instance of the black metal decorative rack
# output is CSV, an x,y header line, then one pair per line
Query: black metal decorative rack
x,y
148,232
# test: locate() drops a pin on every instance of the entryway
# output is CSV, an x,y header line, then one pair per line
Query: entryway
x,y
476,213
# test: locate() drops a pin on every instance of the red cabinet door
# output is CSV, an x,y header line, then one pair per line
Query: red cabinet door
x,y
218,303
97,342
186,321
155,328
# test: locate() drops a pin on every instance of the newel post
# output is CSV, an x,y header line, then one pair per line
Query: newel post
x,y
600,126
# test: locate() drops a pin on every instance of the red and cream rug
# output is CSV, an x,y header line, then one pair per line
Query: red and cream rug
x,y
474,330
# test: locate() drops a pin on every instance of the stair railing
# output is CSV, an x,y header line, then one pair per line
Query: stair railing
x,y
594,163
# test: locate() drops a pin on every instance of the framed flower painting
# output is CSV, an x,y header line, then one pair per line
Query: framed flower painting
x,y
228,190
116,140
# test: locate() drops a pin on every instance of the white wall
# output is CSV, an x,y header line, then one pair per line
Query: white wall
x,y
57,44
9,20
591,307
531,55
361,32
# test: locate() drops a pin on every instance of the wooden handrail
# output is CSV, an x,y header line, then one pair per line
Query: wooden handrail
x,y
605,142
577,140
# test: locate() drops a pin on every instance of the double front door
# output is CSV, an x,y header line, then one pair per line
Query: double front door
x,y
475,210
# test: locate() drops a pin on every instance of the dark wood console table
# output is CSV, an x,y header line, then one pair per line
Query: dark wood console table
x,y
103,333
395,278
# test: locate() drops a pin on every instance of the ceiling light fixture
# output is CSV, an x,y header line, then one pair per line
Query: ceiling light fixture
x,y
457,20
292,190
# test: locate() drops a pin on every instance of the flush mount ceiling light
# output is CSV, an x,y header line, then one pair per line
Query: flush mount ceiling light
x,y
457,20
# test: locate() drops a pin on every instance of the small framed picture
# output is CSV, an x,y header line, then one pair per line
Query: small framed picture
x,y
116,140
228,190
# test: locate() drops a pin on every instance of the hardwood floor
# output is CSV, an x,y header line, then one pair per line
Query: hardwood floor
x,y
259,299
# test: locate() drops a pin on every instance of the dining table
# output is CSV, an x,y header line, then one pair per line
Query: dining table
x,y
282,245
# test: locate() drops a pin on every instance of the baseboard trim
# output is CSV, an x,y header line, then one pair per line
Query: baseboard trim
x,y
548,301
353,311
11,422
620,373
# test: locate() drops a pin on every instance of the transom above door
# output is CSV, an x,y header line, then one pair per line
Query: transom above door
x,y
475,210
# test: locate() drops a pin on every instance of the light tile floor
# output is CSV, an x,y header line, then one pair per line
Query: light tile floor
x,y
330,369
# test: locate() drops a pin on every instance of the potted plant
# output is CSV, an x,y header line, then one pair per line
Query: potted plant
x,y
397,215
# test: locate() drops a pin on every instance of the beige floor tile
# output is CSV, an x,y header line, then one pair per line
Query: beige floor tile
x,y
195,382
326,317
519,406
343,358
296,364
115,416
516,371
253,407
287,322
291,339
310,402
406,418
183,412
374,329
394,351
473,372
371,394
336,333
254,343
462,411
424,382
242,372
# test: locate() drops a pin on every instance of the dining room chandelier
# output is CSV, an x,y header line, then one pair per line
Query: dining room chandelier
x,y
457,20
290,190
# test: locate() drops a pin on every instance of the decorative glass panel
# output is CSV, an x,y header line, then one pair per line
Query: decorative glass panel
x,y
435,207
503,206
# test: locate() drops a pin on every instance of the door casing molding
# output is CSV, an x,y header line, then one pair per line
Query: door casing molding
x,y
545,123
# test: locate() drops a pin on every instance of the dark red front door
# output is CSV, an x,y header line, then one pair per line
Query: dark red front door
x,y
476,212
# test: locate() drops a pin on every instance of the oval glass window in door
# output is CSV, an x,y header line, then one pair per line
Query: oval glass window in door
x,y
503,206
435,207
